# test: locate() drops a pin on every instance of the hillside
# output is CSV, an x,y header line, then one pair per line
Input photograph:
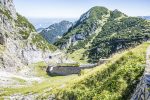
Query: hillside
x,y
100,32
24,53
55,31
114,80
27,58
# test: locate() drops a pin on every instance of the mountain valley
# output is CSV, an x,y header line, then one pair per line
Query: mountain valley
x,y
116,44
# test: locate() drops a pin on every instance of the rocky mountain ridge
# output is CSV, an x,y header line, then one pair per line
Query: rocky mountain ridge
x,y
145,17
98,28
20,45
55,31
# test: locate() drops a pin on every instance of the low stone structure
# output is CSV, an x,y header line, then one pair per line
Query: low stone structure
x,y
142,91
101,61
67,70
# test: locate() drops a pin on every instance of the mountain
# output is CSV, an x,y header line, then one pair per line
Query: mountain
x,y
145,17
46,22
25,56
39,30
54,31
101,32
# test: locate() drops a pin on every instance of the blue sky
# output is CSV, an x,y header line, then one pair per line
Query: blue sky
x,y
74,8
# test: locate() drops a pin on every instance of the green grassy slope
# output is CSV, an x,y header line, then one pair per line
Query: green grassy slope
x,y
25,30
114,80
118,35
41,43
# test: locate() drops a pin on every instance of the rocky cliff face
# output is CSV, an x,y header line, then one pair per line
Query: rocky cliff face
x,y
8,5
20,45
55,31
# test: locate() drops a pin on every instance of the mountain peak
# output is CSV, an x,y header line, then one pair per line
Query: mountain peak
x,y
96,12
98,26
98,8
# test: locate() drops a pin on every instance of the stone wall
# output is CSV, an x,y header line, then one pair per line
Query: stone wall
x,y
68,70
142,91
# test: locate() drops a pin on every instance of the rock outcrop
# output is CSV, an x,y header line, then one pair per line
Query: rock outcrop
x,y
1,39
21,44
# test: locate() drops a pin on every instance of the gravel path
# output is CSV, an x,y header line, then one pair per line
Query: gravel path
x,y
8,79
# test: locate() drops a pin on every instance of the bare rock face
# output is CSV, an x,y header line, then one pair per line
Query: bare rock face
x,y
20,45
1,39
84,16
18,48
9,60
8,4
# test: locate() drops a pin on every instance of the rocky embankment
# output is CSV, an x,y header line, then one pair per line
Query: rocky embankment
x,y
142,91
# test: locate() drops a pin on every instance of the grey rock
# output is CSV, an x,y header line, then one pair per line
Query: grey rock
x,y
2,39
8,5
55,31
142,91
84,16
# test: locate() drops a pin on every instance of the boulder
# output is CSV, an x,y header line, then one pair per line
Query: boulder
x,y
2,42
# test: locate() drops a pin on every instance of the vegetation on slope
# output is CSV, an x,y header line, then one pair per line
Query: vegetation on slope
x,y
26,29
41,43
117,35
117,31
22,22
115,80
78,56
85,26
